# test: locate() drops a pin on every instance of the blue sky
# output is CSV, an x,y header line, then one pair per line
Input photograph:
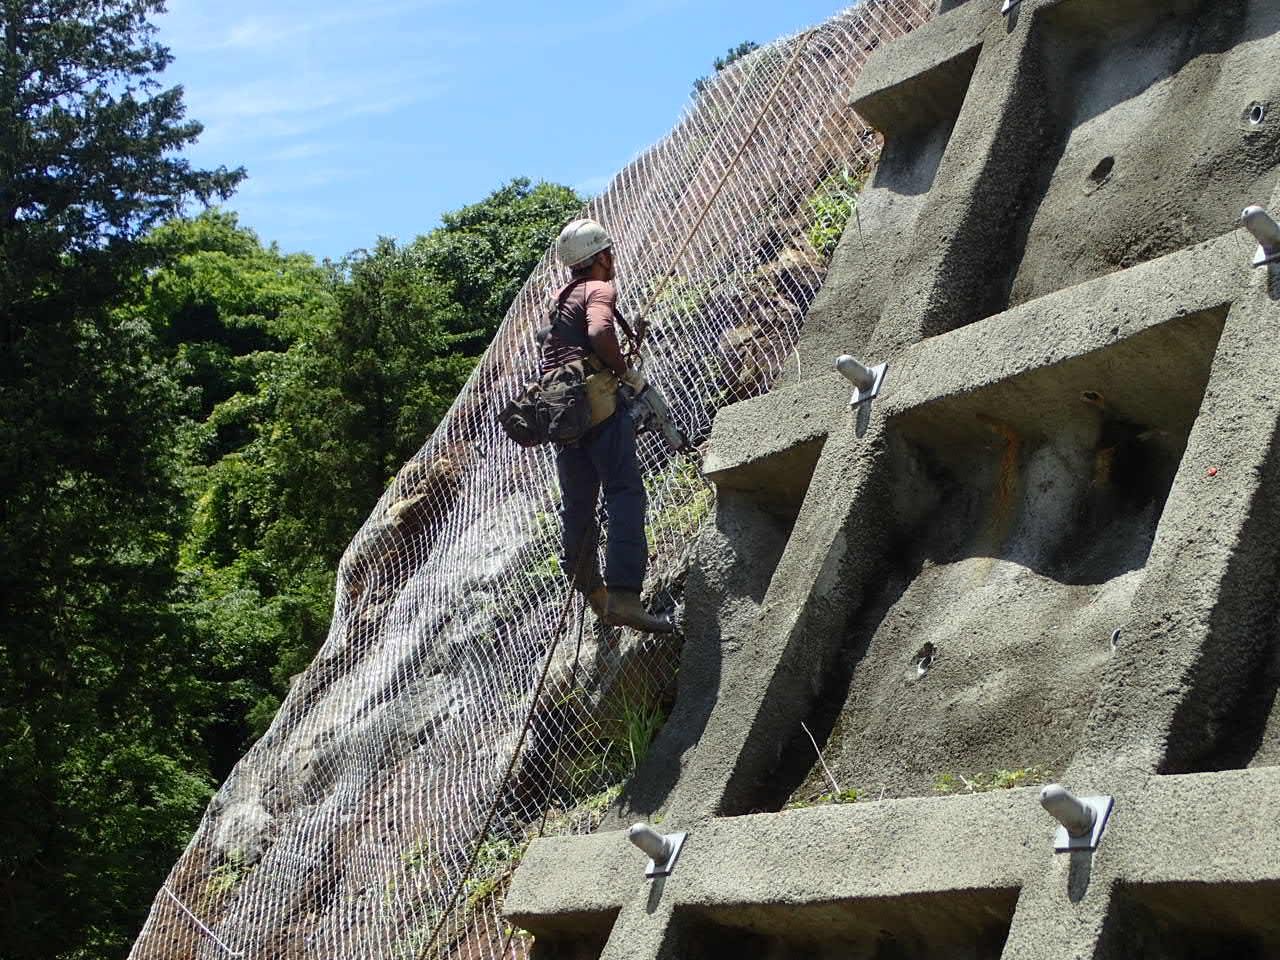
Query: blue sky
x,y
357,120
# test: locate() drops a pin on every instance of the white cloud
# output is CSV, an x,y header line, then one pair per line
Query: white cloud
x,y
593,186
292,105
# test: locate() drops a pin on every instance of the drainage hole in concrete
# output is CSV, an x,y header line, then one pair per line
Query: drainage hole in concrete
x,y
1255,113
924,659
1102,172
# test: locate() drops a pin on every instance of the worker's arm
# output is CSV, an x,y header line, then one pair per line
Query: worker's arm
x,y
601,299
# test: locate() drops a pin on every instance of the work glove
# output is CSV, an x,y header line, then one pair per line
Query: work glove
x,y
634,379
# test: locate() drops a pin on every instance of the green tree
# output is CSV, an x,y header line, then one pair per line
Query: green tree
x,y
100,762
412,321
357,394
482,254
732,55
323,384
231,315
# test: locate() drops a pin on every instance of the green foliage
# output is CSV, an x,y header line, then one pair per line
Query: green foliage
x,y
985,782
223,879
597,804
848,795
101,697
548,568
418,856
614,746
192,426
495,861
637,724
686,501
314,386
683,298
732,55
481,255
831,205
586,815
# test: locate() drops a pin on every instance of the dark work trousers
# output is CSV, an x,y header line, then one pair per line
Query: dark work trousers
x,y
605,459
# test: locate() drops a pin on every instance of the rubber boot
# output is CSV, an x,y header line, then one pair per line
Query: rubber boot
x,y
598,600
624,609
587,581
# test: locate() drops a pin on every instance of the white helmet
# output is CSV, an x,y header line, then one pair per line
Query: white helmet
x,y
580,241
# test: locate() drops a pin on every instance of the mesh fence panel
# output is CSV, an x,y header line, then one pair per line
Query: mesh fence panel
x,y
383,812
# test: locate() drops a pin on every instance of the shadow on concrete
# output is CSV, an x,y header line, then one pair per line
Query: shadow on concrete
x,y
1080,873
973,924
1193,921
1022,517
722,604
1110,113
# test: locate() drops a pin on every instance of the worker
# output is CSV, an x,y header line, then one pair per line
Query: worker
x,y
586,321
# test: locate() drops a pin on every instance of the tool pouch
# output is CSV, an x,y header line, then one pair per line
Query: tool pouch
x,y
562,406
565,402
602,393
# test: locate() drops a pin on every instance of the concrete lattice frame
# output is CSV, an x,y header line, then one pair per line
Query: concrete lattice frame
x,y
1197,849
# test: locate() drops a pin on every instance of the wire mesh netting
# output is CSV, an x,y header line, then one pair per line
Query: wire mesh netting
x,y
464,702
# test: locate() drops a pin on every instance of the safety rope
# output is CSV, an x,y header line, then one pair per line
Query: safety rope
x,y
723,325
641,323
636,339
500,791
555,767
199,923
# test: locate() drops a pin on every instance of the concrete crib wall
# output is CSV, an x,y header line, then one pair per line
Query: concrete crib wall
x,y
1047,550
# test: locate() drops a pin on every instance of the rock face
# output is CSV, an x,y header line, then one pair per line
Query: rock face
x,y
1046,551
463,701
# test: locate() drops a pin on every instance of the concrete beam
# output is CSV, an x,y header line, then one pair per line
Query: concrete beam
x,y
864,865
922,77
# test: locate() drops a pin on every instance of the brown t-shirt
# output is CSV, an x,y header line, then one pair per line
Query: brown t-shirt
x,y
591,307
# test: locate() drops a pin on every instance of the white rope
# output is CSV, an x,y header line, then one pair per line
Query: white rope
x,y
196,920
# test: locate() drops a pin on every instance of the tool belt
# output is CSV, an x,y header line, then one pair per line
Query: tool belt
x,y
602,391
566,402
563,405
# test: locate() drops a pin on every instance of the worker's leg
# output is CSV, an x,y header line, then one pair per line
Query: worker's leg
x,y
613,452
579,493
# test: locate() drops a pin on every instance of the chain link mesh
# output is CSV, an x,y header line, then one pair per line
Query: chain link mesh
x,y
383,812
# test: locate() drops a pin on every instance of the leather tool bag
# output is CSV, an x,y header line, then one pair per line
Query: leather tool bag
x,y
565,402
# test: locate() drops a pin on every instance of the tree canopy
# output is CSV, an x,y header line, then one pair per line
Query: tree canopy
x,y
100,781
732,55
192,426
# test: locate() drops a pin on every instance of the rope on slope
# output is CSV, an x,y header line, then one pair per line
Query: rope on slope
x,y
542,679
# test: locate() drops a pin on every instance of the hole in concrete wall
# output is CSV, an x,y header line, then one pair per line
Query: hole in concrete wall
x,y
1255,113
757,505
968,925
1154,89
1025,516
924,658
909,162
1194,921
917,119
580,936
1101,173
